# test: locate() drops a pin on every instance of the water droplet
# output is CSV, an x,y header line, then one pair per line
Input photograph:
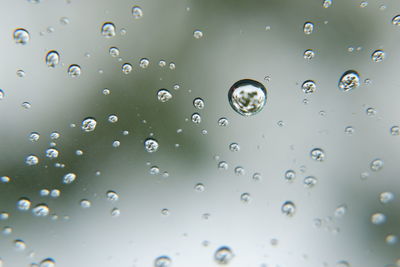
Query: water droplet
x,y
116,143
378,218
395,130
288,208
154,170
245,197
317,154
41,210
198,103
327,3
7,230
223,255
310,181
112,118
44,192
223,122
69,178
137,12
247,97
196,118
106,91
309,54
21,36
20,73
52,153
85,203
163,261
308,28
239,170
199,187
88,124
31,160
55,135
19,245
164,95
378,56
197,34
391,239
340,211
172,66
74,70
23,204
162,63
364,4
165,212
52,59
151,145
2,94
79,152
34,137
5,179
223,165
49,262
309,87
4,216
126,68
114,51
349,130
55,193
349,80
376,165
290,175
108,30
144,63
386,197
396,20
112,196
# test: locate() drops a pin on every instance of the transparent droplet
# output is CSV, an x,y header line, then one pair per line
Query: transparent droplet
x,y
69,178
52,59
74,71
172,66
20,73
197,34
288,208
223,255
126,68
199,187
310,181
290,175
112,196
34,137
4,216
309,54
349,80
239,170
309,87
114,51
396,20
163,261
7,230
198,103
144,63
386,197
154,170
376,165
245,197
52,153
21,36
364,4
378,56
317,154
340,211
391,239
41,210
395,130
19,245
378,218
55,193
247,97
196,118
112,118
223,165
162,63
151,145
223,122
327,3
137,12
163,95
55,135
349,130
116,143
31,160
108,30
234,147
49,262
88,124
371,112
23,204
5,179
85,203
165,212
308,28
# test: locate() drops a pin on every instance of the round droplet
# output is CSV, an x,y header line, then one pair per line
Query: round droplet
x,y
55,193
74,71
378,56
4,216
376,165
223,255
69,178
34,137
23,204
342,264
310,181
112,196
41,210
386,197
52,59
378,218
247,97
126,68
19,245
144,63
309,87
349,80
395,130
317,154
88,124
163,261
5,179
223,122
137,12
257,177
223,165
364,4
198,103
290,175
31,160
151,145
288,208
154,170
114,51
85,203
52,153
20,73
309,54
349,130
49,262
245,197
391,239
164,95
197,34
196,118
340,211
234,147
172,66
308,28
55,135
396,20
21,36
239,171
112,118
199,187
327,3
108,30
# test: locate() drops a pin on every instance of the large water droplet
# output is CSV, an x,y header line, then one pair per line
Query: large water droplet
x,y
247,97
89,124
396,20
74,70
378,218
21,36
288,208
49,262
223,255
308,27
31,160
108,30
151,145
41,210
349,80
164,95
69,178
378,56
309,87
52,59
137,12
317,154
23,204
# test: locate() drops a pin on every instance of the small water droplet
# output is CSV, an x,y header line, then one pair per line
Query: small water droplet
x,y
163,261
114,51
288,208
395,130
290,175
396,20
309,87
386,197
317,154
112,196
223,122
391,239
349,80
21,36
23,204
310,181
85,203
196,118
74,70
327,3
31,160
151,145
41,210
34,136
309,54
376,165
198,103
69,178
308,28
223,165
19,245
49,262
364,4
52,59
88,124
223,255
144,63
197,34
199,187
245,197
247,97
239,171
126,68
108,29
137,12
340,211
349,130
52,153
378,56
164,95
378,218
234,147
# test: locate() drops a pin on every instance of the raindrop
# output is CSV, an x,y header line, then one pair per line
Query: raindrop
x,y
74,71
310,181
164,95
378,56
290,175
197,34
223,255
114,51
376,165
55,193
41,210
49,262
309,54
112,118
288,208
52,153
309,87
199,187
349,130
234,147
396,20
52,59
20,73
151,145
317,154
137,12
108,30
371,112
223,122
196,118
31,160
327,3
349,80
378,218
247,97
386,197
198,103
88,124
24,204
239,171
245,197
154,170
55,135
69,178
162,63
223,165
19,245
391,239
163,261
21,36
85,203
112,196
144,63
395,130
364,4
308,28
5,179
340,211
126,68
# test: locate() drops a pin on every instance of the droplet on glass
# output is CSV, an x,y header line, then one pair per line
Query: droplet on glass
x,y
196,118
395,130
34,136
247,97
288,208
308,28
41,210
198,103
52,59
378,218
88,124
239,171
309,54
74,71
164,95
31,160
23,204
151,145
378,56
69,178
223,255
85,203
197,34
317,154
340,211
376,165
223,122
327,3
112,196
52,153
349,80
108,30
49,262
386,197
290,175
137,12
114,51
144,63
127,68
21,36
396,20
163,261
309,87
245,197
234,147
310,181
